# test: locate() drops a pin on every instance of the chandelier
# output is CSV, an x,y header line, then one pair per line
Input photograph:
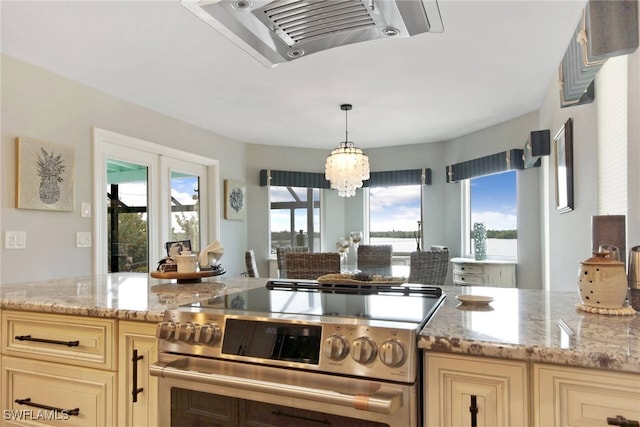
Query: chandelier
x,y
347,166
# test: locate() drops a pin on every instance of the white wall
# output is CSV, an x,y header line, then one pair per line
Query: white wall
x,y
40,105
633,150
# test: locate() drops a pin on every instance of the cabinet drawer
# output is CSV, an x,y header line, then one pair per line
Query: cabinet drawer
x,y
569,397
83,341
60,387
468,279
468,268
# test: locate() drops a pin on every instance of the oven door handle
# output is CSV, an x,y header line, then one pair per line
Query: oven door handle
x,y
384,404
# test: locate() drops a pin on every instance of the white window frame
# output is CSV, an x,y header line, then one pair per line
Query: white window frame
x,y
160,160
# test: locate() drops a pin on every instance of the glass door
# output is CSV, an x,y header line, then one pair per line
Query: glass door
x,y
183,213
127,217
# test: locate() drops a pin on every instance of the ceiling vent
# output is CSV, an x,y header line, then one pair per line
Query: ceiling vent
x,y
283,30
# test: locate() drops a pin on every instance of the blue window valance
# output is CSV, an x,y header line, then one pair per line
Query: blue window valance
x,y
494,163
317,180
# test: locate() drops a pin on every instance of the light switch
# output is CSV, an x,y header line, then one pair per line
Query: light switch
x,y
15,239
85,210
83,239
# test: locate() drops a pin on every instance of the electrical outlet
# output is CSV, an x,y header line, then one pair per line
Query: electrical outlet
x,y
83,239
15,240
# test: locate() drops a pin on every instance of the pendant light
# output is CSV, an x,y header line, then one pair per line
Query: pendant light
x,y
347,166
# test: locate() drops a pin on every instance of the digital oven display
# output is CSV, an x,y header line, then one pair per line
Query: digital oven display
x,y
272,340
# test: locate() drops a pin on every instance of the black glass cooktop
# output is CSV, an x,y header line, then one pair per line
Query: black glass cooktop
x,y
393,303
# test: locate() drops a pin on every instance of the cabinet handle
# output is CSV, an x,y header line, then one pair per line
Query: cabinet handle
x,y
28,402
474,411
135,389
29,338
300,417
619,420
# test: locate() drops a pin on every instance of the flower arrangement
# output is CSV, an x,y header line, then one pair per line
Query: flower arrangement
x,y
342,245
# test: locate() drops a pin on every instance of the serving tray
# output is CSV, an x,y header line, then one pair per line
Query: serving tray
x,y
193,277
350,279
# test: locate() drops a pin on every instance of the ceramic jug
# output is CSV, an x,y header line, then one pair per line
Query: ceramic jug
x,y
602,282
187,262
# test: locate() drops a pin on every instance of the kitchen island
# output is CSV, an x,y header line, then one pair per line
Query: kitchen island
x,y
529,358
518,347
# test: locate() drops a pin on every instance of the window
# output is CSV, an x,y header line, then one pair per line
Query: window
x,y
492,200
394,213
295,217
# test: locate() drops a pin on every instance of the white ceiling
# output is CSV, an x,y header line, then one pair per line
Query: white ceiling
x,y
494,61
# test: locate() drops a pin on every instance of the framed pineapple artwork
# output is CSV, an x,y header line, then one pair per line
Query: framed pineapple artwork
x,y
45,175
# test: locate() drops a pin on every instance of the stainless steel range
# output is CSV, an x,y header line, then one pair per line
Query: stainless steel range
x,y
295,353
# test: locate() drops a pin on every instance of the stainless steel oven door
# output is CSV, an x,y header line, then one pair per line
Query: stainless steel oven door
x,y
278,392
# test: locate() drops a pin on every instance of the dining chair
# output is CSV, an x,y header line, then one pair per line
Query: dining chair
x,y
375,259
250,261
282,261
311,265
429,267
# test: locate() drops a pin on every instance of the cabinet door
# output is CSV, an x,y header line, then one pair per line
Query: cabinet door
x,y
138,391
460,388
581,397
41,393
503,275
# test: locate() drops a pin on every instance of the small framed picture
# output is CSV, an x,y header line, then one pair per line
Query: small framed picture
x,y
563,153
176,248
45,176
235,199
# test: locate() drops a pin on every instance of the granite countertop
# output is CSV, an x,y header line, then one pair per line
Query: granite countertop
x,y
125,296
534,325
519,324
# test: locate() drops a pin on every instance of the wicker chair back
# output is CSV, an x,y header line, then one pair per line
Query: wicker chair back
x,y
375,259
250,261
429,267
282,261
307,265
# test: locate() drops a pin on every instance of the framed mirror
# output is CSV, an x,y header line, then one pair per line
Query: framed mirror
x,y
563,154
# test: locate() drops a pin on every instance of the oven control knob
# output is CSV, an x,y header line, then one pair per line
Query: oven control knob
x,y
363,350
392,353
186,331
335,347
209,333
166,331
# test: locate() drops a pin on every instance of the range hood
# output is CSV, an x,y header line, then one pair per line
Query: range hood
x,y
280,31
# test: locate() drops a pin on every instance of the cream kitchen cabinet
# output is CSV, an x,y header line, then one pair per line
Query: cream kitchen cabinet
x,y
46,393
568,396
58,369
138,391
466,391
468,271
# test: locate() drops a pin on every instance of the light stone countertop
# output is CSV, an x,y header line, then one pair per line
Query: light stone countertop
x,y
125,296
533,325
519,324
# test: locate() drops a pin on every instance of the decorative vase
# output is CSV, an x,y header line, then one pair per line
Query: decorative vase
x,y
343,262
479,235
602,282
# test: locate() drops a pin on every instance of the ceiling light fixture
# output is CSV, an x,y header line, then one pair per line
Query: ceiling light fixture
x,y
347,166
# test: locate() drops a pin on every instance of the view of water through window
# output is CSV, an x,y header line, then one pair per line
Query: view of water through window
x,y
494,203
394,213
